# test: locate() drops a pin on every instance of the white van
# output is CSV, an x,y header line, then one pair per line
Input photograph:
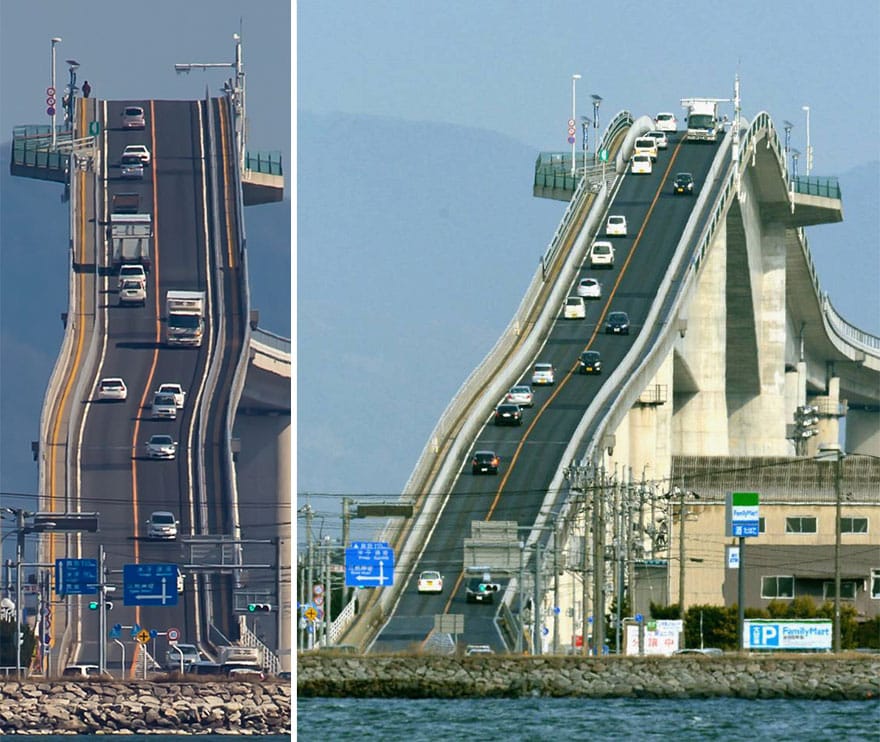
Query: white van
x,y
646,146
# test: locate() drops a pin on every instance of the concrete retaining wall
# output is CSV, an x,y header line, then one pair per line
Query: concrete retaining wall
x,y
145,707
685,676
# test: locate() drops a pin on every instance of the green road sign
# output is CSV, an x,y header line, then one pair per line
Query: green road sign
x,y
603,155
94,128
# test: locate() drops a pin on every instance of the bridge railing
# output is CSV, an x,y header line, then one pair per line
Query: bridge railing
x,y
270,339
269,163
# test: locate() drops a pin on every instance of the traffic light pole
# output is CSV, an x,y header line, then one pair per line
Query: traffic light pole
x,y
102,619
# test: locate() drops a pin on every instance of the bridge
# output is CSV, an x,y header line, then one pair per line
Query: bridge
x,y
229,484
737,375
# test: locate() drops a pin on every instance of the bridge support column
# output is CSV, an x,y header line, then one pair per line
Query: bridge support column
x,y
830,411
756,386
863,431
700,423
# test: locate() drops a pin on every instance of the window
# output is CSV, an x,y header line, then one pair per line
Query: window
x,y
778,587
875,584
847,590
761,528
853,525
800,524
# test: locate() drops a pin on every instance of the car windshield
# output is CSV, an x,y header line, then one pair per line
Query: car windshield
x,y
161,440
542,367
163,518
430,575
132,111
617,317
520,390
131,160
601,248
111,384
589,356
484,456
574,301
165,399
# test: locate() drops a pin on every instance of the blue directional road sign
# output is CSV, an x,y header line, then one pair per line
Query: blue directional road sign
x,y
149,584
76,576
369,564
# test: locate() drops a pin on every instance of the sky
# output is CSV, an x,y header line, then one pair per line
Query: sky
x,y
502,67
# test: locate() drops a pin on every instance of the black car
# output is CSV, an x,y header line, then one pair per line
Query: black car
x,y
484,462
589,362
683,183
508,414
617,324
480,591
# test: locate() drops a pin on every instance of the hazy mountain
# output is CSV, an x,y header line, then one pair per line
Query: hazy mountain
x,y
415,244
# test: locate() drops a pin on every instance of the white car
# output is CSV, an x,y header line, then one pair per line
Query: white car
x,y
641,164
176,390
602,254
162,525
164,406
646,146
574,308
161,447
615,226
140,150
133,117
430,582
660,137
112,388
521,395
589,288
132,272
543,373
666,122
133,291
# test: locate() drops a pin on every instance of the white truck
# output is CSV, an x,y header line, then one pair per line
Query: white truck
x,y
130,236
185,317
703,122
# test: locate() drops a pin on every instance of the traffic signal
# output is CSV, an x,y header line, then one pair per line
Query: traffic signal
x,y
259,607
94,604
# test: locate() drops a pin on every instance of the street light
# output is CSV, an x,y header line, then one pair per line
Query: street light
x,y
794,158
788,126
809,146
574,79
597,99
55,40
835,453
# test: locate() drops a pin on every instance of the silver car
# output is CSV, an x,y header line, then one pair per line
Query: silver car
x,y
131,166
133,118
161,447
521,395
543,373
163,525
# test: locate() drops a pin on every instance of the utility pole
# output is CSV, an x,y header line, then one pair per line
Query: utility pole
x,y
310,575
537,640
599,562
681,550
556,590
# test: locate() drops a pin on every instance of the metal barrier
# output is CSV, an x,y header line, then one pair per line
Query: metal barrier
x,y
827,187
271,340
264,162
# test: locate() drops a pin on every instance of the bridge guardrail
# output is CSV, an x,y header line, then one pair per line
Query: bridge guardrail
x,y
487,370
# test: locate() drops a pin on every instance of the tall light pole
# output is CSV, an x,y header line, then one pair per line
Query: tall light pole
x,y
809,153
835,453
597,99
794,158
571,135
54,106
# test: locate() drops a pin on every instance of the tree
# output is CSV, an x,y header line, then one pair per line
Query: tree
x,y
8,649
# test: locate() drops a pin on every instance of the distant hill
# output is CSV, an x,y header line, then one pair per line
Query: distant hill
x,y
415,244
847,254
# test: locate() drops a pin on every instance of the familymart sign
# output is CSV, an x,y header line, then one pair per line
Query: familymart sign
x,y
742,514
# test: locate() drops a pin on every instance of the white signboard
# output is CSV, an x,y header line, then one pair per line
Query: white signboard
x,y
775,635
660,639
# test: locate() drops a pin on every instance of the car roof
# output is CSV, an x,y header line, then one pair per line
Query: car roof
x,y
111,380
161,437
484,453
617,315
588,281
521,388
543,365
683,175
575,299
430,572
590,353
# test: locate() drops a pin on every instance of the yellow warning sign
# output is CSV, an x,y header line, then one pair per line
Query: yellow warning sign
x,y
143,636
311,614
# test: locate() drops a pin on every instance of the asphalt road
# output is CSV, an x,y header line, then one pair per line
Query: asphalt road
x,y
531,454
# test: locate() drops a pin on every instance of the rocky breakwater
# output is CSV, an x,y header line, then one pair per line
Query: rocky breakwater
x,y
90,707
687,676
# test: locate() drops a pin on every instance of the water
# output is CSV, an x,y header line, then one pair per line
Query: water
x,y
570,719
